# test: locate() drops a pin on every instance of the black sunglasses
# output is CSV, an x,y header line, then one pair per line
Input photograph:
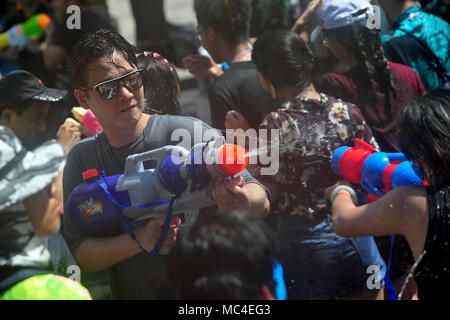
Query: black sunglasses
x,y
110,88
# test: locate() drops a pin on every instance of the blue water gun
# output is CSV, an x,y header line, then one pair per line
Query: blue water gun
x,y
377,172
179,183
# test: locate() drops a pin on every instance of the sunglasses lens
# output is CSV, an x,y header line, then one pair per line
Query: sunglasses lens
x,y
133,81
108,90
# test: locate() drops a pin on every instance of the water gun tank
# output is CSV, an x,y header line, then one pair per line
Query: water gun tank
x,y
91,209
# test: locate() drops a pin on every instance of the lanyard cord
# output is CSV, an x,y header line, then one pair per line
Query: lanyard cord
x,y
249,49
126,221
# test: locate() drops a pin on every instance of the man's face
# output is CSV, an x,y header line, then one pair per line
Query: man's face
x,y
123,110
45,209
30,122
208,39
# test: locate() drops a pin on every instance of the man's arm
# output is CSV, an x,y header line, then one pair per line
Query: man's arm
x,y
97,253
101,253
300,26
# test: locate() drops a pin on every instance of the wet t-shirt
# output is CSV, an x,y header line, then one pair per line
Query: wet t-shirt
x,y
310,132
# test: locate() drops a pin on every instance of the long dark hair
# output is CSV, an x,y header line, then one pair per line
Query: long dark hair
x,y
424,134
282,57
161,83
365,45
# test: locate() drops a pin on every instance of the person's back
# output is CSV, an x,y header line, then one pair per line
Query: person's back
x,y
379,88
224,31
352,86
239,89
432,275
310,126
420,40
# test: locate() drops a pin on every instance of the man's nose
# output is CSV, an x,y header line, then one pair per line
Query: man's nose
x,y
126,93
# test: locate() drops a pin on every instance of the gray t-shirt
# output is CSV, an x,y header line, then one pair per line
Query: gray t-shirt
x,y
141,276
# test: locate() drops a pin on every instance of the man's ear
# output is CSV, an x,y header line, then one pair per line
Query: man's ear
x,y
82,98
7,116
211,34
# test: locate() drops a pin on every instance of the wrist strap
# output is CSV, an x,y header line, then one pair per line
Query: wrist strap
x,y
345,188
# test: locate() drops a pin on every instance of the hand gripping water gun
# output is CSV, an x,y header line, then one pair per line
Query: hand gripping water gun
x,y
88,120
33,28
178,184
377,172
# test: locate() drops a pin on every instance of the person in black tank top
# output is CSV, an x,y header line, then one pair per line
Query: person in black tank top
x,y
419,213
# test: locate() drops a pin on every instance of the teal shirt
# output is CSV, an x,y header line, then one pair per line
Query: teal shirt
x,y
433,31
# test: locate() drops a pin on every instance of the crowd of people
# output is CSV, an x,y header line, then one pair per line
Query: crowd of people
x,y
313,83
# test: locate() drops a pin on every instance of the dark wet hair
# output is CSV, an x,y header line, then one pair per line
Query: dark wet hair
x,y
365,44
230,18
19,107
282,57
101,43
223,256
161,83
424,134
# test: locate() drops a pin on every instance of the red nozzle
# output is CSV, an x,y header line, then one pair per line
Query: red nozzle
x,y
88,174
232,159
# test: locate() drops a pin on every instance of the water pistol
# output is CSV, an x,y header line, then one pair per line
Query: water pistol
x,y
180,182
377,172
90,124
33,28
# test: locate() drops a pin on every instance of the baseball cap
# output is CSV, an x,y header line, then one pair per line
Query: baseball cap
x,y
24,173
20,85
341,13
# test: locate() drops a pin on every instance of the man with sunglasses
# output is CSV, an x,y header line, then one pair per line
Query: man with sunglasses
x,y
104,69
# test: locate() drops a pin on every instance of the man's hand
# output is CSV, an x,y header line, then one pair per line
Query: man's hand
x,y
235,120
68,135
230,195
307,15
202,67
150,233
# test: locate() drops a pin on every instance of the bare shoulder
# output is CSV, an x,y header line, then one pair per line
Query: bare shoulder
x,y
415,214
413,196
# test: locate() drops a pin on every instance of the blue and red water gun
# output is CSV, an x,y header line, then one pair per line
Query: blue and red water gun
x,y
377,172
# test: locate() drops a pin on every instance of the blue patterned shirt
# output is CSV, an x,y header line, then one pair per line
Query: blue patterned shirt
x,y
433,32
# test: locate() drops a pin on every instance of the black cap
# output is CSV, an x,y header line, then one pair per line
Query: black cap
x,y
18,86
